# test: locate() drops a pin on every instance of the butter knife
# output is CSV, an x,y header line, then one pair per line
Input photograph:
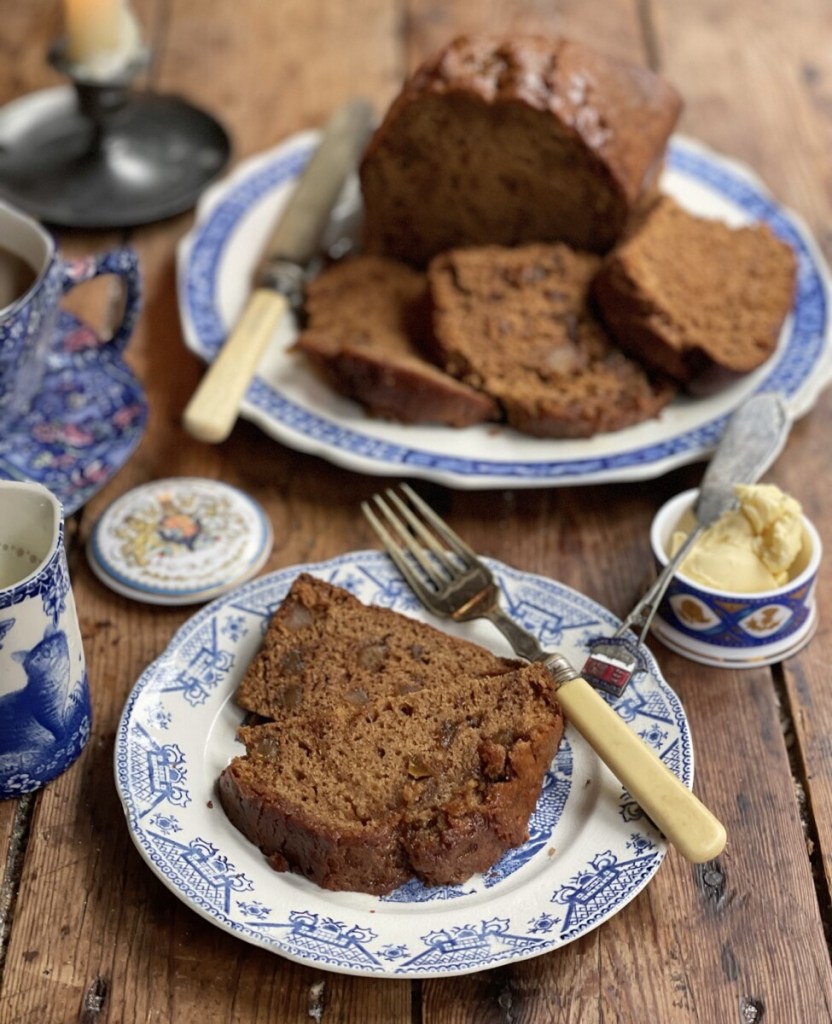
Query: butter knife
x,y
752,440
278,280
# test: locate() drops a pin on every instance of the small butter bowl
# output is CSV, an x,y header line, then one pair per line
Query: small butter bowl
x,y
727,629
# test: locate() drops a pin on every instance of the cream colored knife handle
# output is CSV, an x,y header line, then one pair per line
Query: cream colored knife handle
x,y
212,411
681,816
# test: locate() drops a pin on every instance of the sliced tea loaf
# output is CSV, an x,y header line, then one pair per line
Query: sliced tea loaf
x,y
517,324
395,750
689,295
367,323
323,645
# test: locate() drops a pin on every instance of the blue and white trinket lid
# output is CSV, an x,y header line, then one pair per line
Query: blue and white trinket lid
x,y
179,541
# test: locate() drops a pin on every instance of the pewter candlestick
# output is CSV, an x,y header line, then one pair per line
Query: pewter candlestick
x,y
101,154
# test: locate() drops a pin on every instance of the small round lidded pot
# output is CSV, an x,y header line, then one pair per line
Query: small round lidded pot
x,y
727,628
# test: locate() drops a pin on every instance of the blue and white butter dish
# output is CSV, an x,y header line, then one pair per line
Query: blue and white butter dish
x,y
728,628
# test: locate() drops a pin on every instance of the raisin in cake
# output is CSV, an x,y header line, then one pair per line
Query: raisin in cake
x,y
517,324
392,749
366,322
512,140
690,295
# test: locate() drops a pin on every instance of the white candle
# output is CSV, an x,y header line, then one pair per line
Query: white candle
x,y
101,35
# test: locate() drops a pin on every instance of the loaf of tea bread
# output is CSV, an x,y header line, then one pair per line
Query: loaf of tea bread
x,y
390,749
693,297
517,323
514,139
367,321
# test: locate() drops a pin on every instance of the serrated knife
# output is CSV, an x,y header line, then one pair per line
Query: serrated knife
x,y
278,280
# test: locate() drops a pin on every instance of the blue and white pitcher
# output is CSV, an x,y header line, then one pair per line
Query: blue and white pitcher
x,y
45,714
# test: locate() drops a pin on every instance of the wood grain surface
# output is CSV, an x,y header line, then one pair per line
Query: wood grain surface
x,y
87,932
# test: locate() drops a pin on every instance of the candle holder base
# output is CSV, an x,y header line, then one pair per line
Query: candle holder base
x,y
99,155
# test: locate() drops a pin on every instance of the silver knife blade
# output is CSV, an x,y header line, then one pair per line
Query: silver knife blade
x,y
750,443
297,236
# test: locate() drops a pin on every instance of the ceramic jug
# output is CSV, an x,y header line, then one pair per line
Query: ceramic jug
x,y
45,712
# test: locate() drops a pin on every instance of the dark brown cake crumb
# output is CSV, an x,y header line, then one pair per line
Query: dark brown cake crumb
x,y
432,771
517,323
688,295
367,327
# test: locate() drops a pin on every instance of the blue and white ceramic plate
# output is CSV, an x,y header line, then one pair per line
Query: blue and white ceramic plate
x,y
590,851
85,422
289,402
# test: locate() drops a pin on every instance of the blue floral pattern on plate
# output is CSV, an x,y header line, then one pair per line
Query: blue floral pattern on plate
x,y
289,404
85,422
590,850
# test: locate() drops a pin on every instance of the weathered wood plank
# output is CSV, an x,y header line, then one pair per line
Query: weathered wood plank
x,y
740,941
118,944
773,112
808,708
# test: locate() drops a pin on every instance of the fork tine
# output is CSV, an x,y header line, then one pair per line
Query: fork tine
x,y
394,550
453,540
427,537
407,540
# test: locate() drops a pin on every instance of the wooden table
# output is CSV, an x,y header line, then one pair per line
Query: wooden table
x,y
87,932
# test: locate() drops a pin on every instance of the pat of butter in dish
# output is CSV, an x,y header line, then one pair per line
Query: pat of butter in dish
x,y
749,549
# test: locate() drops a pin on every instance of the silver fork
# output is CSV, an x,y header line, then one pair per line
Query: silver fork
x,y
450,580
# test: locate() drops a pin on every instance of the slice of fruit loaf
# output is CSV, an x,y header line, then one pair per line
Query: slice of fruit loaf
x,y
325,646
517,324
395,749
691,296
514,139
367,319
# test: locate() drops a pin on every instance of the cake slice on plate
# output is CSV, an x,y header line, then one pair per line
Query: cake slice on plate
x,y
692,296
518,324
392,749
367,321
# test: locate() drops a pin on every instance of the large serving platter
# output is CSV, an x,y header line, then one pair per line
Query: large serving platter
x,y
590,851
287,401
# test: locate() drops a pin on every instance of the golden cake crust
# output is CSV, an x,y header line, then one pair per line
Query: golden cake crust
x,y
514,139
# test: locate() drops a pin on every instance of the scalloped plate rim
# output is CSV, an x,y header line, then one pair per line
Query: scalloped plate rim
x,y
600,826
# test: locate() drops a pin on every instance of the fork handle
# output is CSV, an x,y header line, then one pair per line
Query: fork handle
x,y
676,812
522,642
681,816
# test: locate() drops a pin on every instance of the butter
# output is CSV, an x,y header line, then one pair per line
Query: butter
x,y
749,549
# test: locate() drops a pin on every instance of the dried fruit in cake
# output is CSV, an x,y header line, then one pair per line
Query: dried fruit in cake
x,y
691,296
517,324
323,643
511,140
401,752
367,319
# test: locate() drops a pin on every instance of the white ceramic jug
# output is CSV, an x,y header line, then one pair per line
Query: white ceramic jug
x,y
45,713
